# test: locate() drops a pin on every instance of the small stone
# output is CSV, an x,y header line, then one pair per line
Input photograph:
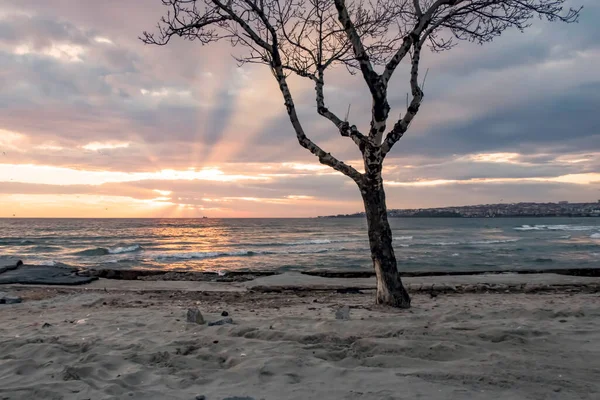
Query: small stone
x,y
195,316
46,325
221,322
6,299
200,397
343,313
224,314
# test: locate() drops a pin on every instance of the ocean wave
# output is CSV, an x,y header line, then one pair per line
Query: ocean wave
x,y
306,242
51,263
403,238
125,249
317,241
595,235
98,251
555,228
312,241
529,228
483,264
199,255
102,251
16,242
493,241
471,242
45,249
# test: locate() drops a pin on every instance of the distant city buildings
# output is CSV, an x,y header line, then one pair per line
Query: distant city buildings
x,y
560,209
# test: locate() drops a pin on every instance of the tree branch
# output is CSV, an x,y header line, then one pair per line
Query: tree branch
x,y
192,29
324,158
308,36
360,55
417,96
380,108
344,127
249,31
423,20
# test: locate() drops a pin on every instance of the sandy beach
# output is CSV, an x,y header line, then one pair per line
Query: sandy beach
x,y
130,340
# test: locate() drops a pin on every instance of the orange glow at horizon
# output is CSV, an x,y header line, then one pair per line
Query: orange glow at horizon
x,y
43,174
105,206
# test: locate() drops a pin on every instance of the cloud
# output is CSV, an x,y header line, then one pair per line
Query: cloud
x,y
564,122
81,96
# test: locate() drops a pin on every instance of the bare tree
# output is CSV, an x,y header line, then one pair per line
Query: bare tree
x,y
370,37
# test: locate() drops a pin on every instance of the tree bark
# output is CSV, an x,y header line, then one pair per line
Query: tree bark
x,y
390,290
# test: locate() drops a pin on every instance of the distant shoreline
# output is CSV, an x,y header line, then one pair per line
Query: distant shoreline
x,y
464,217
500,210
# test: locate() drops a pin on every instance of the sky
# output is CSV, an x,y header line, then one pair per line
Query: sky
x,y
93,123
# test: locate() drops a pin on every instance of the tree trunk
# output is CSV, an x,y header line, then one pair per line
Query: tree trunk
x,y
390,290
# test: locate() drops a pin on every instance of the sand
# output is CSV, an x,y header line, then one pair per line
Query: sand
x,y
130,340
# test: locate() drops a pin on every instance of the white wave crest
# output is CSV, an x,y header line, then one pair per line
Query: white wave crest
x,y
494,241
555,228
48,263
124,249
403,238
198,255
530,228
324,241
488,241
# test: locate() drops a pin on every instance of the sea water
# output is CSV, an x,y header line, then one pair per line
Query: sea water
x,y
421,244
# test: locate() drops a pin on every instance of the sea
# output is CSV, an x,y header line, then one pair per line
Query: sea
x,y
221,245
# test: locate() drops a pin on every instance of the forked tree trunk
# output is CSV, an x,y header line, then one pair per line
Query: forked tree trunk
x,y
390,290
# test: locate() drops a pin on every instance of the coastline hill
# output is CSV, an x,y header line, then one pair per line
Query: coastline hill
x,y
560,209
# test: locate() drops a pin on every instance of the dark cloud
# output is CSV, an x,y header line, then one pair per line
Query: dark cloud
x,y
466,194
479,170
567,121
40,31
